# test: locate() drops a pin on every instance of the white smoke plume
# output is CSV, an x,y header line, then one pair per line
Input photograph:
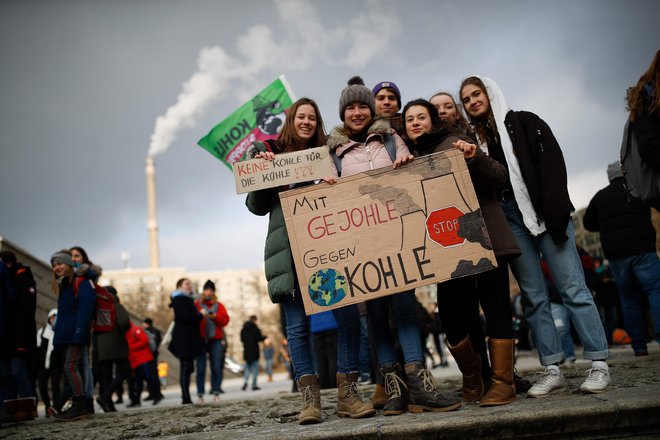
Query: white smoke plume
x,y
302,40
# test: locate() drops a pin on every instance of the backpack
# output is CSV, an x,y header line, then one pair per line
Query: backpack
x,y
105,312
389,146
640,179
153,346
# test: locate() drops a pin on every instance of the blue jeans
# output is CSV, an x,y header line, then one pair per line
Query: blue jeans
x,y
268,367
633,275
404,306
14,378
74,369
365,350
348,338
213,348
567,272
562,318
297,330
251,367
89,376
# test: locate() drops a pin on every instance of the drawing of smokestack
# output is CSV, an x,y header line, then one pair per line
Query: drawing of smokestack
x,y
152,223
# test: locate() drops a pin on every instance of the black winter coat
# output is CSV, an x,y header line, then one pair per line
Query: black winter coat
x,y
624,223
251,336
22,327
543,170
186,340
278,259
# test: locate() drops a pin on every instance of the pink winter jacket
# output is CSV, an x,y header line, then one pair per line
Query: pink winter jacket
x,y
357,157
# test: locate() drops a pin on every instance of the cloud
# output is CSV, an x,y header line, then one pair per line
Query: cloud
x,y
369,35
304,41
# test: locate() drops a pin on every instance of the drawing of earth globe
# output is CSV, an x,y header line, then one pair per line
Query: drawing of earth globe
x,y
327,287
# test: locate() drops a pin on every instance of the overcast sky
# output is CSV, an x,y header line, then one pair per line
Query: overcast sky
x,y
82,84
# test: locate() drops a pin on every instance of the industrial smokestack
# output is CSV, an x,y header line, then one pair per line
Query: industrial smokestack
x,y
152,223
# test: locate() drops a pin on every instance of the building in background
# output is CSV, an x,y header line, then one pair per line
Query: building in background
x,y
587,240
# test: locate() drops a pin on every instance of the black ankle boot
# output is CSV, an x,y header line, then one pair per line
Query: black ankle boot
x,y
77,411
396,390
422,393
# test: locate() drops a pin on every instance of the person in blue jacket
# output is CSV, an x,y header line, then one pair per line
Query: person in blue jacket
x,y
75,304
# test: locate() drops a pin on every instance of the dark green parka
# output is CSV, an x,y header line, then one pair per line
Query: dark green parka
x,y
278,260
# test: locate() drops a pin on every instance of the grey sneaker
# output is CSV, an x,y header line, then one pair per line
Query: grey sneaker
x,y
549,382
598,380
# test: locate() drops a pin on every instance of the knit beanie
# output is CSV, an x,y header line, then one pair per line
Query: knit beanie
x,y
209,285
388,85
356,91
614,171
61,257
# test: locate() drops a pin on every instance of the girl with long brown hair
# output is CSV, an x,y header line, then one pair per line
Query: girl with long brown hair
x,y
303,128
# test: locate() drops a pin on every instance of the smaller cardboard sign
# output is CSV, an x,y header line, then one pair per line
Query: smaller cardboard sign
x,y
287,168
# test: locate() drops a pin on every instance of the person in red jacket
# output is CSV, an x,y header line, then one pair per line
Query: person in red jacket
x,y
215,317
139,356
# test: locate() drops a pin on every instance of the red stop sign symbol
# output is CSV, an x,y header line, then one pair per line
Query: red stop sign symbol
x,y
442,226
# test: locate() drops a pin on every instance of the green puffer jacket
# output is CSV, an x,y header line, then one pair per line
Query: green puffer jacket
x,y
280,271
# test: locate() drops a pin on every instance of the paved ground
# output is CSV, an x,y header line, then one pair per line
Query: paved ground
x,y
630,407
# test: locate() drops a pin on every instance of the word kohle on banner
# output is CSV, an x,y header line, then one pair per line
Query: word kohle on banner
x,y
259,119
386,231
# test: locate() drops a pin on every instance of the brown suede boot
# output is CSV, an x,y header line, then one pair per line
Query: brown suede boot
x,y
311,393
379,399
502,390
349,403
396,389
469,362
27,408
21,409
422,392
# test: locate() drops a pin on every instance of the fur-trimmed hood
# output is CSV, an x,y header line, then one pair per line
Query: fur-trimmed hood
x,y
339,135
91,271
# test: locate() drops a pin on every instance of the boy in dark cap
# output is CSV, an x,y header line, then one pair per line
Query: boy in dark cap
x,y
388,103
215,317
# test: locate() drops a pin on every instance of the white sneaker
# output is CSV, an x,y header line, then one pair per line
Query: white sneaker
x,y
550,382
598,380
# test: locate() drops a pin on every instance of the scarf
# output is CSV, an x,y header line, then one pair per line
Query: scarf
x,y
500,109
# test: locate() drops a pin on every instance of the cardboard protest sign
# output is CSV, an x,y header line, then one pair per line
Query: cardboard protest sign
x,y
386,231
287,168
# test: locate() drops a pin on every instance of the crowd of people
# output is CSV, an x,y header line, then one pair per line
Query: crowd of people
x,y
520,179
85,349
519,175
90,347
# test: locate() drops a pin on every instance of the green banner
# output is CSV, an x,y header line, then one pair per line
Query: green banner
x,y
259,119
